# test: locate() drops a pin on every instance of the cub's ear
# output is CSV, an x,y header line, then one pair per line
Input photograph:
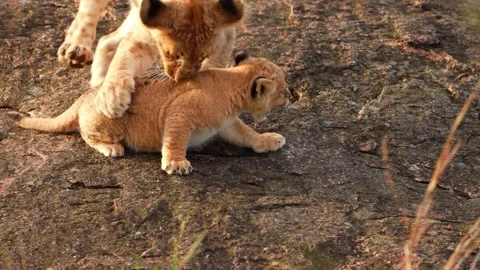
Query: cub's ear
x,y
262,86
230,11
153,13
240,56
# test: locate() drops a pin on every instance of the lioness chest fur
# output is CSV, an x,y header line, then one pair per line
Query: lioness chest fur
x,y
170,117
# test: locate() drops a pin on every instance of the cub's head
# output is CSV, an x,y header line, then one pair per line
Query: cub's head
x,y
267,86
189,31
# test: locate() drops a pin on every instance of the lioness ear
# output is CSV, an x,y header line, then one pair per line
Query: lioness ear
x,y
261,87
152,13
230,11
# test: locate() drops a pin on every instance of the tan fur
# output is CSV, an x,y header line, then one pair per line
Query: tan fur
x,y
76,50
170,117
184,34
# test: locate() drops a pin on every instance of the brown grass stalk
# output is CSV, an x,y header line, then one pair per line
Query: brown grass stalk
x,y
473,266
192,252
421,222
469,243
391,183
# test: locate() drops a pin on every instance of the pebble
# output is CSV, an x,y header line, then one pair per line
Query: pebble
x,y
34,90
61,71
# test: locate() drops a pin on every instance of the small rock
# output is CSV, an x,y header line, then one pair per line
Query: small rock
x,y
61,72
34,90
368,146
424,41
429,6
418,33
152,252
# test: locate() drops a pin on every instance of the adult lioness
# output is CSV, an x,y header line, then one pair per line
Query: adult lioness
x,y
183,32
170,117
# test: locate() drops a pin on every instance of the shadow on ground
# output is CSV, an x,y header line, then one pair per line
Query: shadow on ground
x,y
364,69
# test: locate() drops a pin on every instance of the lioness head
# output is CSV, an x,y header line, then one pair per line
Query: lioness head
x,y
268,88
186,30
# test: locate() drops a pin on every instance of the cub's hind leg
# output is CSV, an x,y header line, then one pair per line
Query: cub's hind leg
x,y
103,134
241,134
103,143
76,50
107,149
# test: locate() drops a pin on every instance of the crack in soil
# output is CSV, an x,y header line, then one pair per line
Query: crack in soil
x,y
82,185
274,206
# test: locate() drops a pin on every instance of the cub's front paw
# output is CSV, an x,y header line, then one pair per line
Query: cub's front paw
x,y
75,55
269,142
181,167
113,99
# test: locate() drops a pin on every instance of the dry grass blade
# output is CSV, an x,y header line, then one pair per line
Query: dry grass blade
x,y
390,183
192,252
407,259
421,222
473,266
465,247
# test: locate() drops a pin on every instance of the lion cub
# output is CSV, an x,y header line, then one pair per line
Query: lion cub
x,y
170,117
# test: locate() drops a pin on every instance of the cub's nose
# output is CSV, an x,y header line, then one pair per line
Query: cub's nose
x,y
197,68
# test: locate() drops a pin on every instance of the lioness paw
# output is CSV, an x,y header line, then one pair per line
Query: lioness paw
x,y
75,55
181,167
269,142
113,99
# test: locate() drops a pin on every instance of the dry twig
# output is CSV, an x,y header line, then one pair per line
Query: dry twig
x,y
467,245
390,183
421,222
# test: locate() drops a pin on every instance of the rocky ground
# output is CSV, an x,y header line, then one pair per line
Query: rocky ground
x,y
363,68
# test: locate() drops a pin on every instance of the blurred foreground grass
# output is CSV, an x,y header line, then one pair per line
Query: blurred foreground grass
x,y
472,14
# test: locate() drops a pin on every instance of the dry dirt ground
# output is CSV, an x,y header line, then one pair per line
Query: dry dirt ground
x,y
364,69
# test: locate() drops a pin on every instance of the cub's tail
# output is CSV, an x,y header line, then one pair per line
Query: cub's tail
x,y
65,122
